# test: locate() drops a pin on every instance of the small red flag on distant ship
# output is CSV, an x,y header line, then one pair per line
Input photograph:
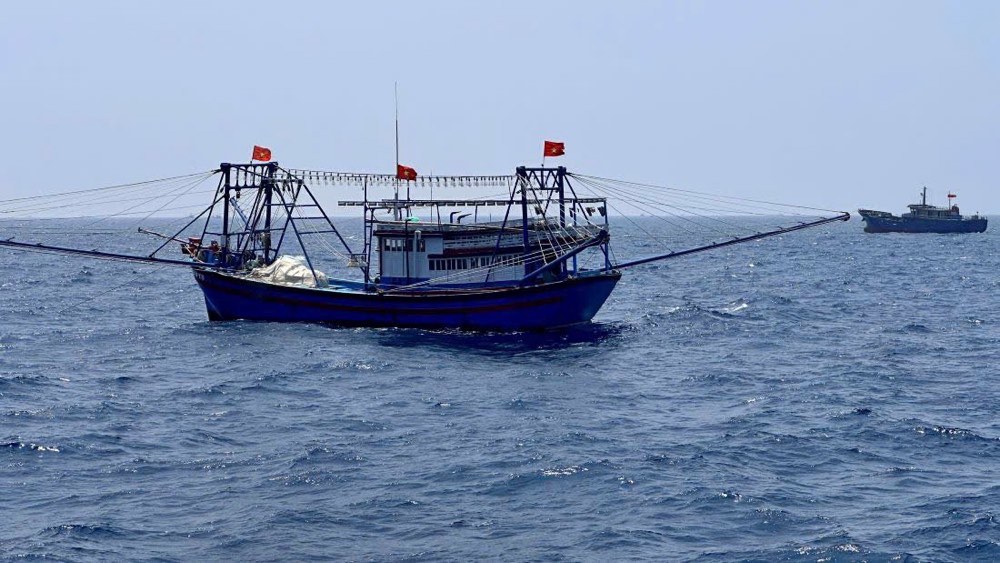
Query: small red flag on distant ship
x,y
554,148
262,154
405,172
951,195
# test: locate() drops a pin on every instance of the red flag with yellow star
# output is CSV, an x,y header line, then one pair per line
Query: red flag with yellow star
x,y
262,154
554,148
405,172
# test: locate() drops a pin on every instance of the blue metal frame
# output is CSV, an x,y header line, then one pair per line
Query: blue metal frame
x,y
255,240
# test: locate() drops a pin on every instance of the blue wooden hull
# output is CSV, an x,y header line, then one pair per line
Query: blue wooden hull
x,y
539,307
918,225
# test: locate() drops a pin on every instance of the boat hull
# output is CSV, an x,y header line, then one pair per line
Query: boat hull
x,y
533,308
893,224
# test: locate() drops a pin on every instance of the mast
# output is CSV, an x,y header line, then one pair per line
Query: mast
x,y
399,212
225,208
265,238
395,99
925,196
522,174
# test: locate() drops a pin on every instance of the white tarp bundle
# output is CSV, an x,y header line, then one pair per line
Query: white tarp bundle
x,y
290,270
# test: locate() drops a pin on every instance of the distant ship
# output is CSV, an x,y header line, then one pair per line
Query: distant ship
x,y
923,218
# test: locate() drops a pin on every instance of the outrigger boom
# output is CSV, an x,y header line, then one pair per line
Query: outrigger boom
x,y
844,216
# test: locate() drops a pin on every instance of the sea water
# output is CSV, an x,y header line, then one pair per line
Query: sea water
x,y
824,395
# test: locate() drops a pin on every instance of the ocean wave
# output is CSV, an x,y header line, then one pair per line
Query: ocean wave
x,y
324,456
556,473
953,433
28,446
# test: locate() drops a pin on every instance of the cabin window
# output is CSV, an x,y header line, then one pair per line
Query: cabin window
x,y
396,244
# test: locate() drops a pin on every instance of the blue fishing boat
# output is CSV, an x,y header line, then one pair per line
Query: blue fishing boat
x,y
923,218
546,263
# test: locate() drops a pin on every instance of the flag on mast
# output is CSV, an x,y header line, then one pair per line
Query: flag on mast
x,y
554,148
405,172
262,154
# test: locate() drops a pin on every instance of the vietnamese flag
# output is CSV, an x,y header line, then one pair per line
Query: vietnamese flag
x,y
405,172
554,148
262,154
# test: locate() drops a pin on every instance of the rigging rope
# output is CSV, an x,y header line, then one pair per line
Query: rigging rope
x,y
671,209
710,216
106,188
184,189
82,199
113,292
704,195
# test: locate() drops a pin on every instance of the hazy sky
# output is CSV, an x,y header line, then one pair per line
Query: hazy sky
x,y
834,104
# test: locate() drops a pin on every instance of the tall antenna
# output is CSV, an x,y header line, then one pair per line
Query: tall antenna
x,y
395,99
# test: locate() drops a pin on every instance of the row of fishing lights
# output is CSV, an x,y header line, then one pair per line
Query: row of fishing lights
x,y
389,180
